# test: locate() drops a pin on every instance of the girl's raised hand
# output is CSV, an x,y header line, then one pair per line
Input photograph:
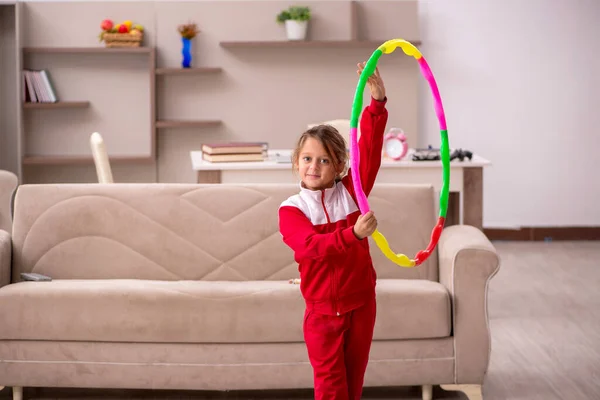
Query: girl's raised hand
x,y
374,82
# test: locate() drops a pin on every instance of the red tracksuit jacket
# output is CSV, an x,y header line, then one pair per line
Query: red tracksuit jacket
x,y
336,269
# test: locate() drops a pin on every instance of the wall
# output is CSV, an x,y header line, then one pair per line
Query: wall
x,y
519,81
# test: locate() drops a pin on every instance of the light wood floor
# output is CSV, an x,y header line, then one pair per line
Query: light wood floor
x,y
544,308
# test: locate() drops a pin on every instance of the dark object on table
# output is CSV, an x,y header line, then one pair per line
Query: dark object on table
x,y
431,154
461,155
428,154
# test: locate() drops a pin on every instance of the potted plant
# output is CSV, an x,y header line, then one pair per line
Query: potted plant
x,y
188,32
296,21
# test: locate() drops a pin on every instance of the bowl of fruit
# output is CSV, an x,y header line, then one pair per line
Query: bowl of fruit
x,y
124,34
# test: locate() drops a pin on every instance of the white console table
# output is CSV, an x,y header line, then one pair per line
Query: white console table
x,y
466,178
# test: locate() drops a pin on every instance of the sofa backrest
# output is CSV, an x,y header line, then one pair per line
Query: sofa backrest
x,y
189,231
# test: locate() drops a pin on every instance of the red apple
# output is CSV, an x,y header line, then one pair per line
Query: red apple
x,y
123,28
106,25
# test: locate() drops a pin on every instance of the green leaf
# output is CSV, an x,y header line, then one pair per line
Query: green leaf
x,y
296,13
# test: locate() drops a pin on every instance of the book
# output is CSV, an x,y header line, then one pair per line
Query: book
x,y
235,147
243,157
49,88
30,89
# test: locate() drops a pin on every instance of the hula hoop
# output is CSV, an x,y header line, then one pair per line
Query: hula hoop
x,y
410,50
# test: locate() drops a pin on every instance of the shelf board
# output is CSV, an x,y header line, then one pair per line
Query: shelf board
x,y
307,43
188,71
83,160
60,104
88,50
187,124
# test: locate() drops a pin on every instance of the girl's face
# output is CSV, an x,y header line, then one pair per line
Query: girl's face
x,y
317,170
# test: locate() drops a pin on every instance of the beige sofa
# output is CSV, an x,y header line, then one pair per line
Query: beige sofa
x,y
175,286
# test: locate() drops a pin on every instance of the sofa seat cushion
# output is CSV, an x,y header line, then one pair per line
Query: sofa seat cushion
x,y
152,311
412,309
199,311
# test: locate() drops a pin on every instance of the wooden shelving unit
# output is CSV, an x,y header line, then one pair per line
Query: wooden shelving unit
x,y
82,160
41,160
60,104
306,43
89,50
155,124
187,124
137,68
188,71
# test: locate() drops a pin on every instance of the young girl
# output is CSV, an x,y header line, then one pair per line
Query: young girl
x,y
323,226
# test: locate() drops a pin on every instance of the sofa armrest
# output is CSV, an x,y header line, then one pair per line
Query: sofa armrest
x,y
5,257
467,262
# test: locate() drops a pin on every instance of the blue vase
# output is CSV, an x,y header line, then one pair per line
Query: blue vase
x,y
186,52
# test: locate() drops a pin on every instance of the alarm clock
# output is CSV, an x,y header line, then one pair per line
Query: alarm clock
x,y
395,145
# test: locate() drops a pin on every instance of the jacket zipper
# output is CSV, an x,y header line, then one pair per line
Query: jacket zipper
x,y
333,275
324,208
335,293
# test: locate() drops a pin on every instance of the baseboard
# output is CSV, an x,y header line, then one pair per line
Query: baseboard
x,y
544,233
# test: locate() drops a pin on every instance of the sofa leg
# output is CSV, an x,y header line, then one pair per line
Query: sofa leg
x,y
17,393
473,392
427,391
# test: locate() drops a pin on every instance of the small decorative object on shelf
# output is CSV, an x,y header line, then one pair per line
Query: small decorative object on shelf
x,y
188,32
296,21
125,34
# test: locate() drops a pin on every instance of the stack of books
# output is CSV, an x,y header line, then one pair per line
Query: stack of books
x,y
234,151
37,87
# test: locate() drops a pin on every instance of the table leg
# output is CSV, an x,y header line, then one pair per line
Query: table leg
x,y
209,177
453,211
473,196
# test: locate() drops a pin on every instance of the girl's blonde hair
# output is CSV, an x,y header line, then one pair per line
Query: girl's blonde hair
x,y
332,141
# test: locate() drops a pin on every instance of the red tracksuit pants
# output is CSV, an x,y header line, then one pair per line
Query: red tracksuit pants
x,y
338,350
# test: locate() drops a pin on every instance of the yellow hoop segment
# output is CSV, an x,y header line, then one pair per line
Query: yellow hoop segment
x,y
408,48
400,259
